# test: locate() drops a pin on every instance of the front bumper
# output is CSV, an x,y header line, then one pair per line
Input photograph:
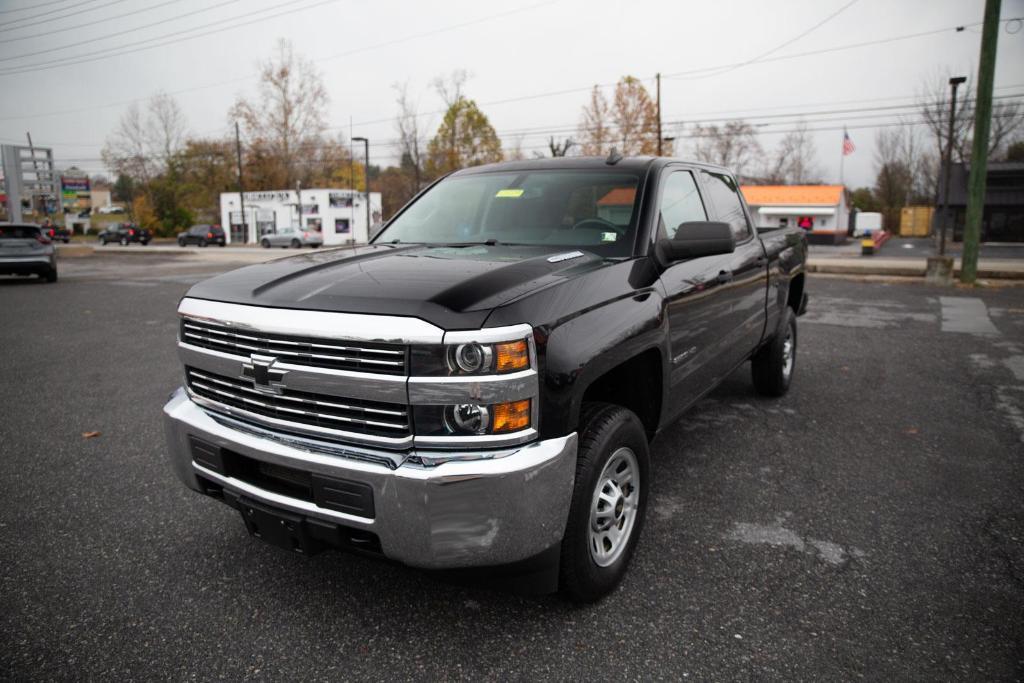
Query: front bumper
x,y
461,513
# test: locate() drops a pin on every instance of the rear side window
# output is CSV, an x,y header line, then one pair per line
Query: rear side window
x,y
18,232
680,203
725,197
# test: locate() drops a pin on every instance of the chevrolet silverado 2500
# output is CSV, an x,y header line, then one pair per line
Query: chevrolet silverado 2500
x,y
478,386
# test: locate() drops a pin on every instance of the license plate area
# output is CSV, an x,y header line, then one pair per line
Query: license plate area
x,y
278,527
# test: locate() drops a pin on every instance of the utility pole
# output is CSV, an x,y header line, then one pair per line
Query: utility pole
x,y
954,83
241,187
366,178
657,80
35,165
979,151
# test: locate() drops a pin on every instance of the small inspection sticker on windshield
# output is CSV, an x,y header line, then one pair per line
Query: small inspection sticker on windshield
x,y
609,236
510,193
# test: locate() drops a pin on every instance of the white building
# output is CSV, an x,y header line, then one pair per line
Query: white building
x,y
819,209
339,214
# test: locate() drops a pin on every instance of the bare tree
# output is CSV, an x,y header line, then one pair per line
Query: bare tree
x,y
410,138
733,145
795,159
143,142
595,125
287,118
167,127
449,88
933,102
559,149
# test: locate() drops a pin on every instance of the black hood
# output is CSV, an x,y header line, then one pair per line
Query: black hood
x,y
453,287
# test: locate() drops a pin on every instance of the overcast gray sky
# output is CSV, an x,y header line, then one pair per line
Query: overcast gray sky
x,y
513,50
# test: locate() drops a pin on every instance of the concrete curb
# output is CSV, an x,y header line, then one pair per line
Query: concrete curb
x,y
907,268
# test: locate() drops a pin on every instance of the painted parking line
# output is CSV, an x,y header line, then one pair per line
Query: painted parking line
x,y
967,315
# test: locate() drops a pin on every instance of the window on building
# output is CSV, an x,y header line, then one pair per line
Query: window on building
x,y
341,226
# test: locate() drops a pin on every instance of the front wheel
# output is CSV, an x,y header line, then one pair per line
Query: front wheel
x,y
265,244
772,366
609,501
296,244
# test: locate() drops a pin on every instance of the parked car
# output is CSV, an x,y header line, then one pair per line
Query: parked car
x,y
25,250
290,237
478,386
125,234
56,233
110,209
202,235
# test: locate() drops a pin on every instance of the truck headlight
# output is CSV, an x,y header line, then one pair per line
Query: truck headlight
x,y
470,358
466,419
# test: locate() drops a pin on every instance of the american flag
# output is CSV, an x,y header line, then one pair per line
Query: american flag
x,y
848,146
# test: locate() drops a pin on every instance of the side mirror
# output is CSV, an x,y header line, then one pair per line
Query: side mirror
x,y
694,239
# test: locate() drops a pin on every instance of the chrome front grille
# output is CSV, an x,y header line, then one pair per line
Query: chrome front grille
x,y
330,417
387,359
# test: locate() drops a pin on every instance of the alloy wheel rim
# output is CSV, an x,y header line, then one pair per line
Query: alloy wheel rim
x,y
613,508
788,353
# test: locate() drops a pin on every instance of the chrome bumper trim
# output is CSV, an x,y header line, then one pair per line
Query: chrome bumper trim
x,y
456,514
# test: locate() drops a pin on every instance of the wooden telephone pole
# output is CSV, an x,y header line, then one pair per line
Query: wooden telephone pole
x,y
979,150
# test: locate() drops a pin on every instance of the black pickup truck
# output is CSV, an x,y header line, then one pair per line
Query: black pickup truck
x,y
478,386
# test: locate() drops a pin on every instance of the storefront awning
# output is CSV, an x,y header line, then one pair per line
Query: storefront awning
x,y
797,211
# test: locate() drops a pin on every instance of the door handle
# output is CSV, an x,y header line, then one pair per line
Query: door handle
x,y
723,277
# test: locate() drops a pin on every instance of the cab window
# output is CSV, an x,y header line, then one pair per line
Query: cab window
x,y
680,203
725,197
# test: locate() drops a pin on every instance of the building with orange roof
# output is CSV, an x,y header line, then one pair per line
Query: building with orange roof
x,y
819,209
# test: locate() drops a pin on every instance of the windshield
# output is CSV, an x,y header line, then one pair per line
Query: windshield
x,y
18,232
591,209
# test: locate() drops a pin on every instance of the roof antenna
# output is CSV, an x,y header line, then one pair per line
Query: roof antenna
x,y
613,157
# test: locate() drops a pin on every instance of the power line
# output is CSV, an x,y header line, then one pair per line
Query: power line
x,y
680,74
149,43
34,6
783,44
218,84
76,27
63,16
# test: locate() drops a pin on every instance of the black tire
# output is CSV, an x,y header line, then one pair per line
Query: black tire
x,y
296,244
315,245
773,365
221,243
51,275
605,429
265,243
181,241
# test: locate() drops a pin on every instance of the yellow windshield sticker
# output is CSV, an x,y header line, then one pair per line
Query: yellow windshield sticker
x,y
509,193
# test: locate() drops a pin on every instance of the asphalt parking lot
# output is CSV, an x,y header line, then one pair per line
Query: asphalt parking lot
x,y
868,525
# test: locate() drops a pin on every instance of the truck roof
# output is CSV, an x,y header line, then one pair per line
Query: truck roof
x,y
636,164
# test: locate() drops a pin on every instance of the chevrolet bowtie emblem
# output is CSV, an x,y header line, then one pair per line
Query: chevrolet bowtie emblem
x,y
265,377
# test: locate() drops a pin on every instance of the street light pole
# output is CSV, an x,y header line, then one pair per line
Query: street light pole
x,y
366,177
954,83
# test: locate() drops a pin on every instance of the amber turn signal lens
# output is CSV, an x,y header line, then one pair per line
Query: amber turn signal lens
x,y
511,417
512,356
